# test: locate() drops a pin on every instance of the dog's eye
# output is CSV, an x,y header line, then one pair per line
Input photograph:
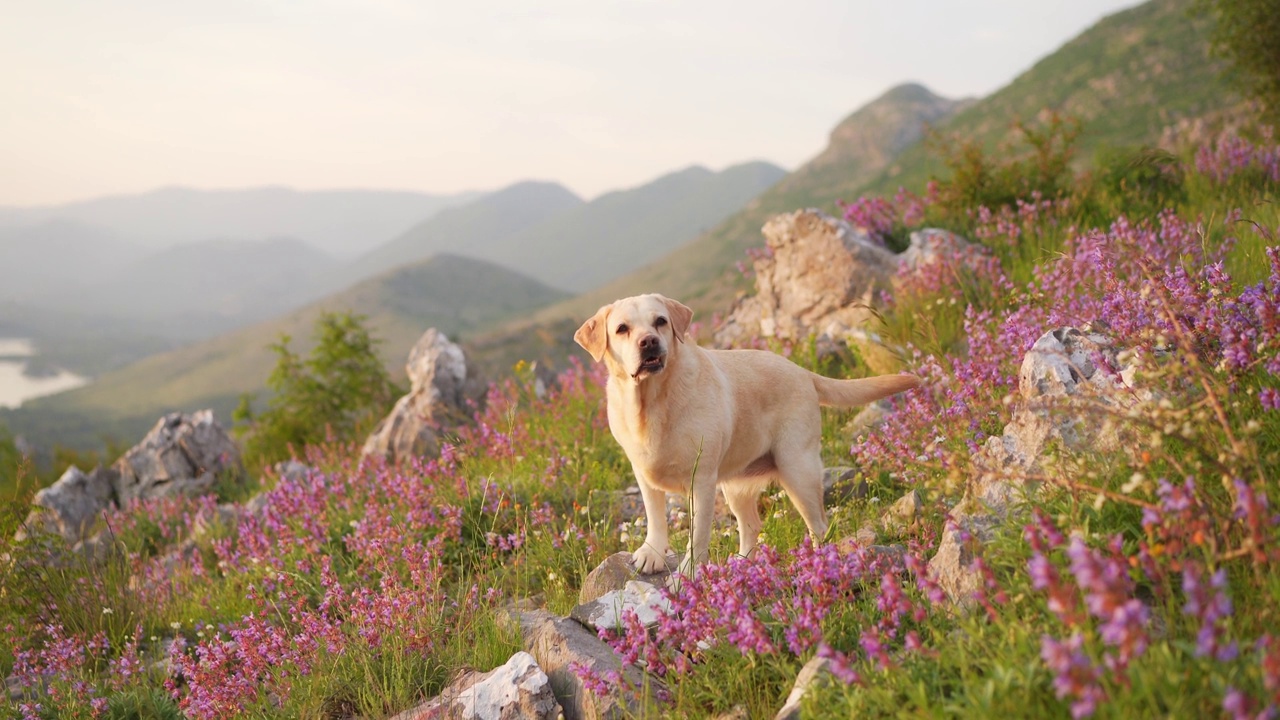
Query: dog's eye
x,y
623,329
660,321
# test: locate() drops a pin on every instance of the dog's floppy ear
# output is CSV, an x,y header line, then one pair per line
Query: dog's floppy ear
x,y
592,336
681,316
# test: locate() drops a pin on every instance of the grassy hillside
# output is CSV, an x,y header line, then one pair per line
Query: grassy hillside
x,y
1115,555
1132,79
460,296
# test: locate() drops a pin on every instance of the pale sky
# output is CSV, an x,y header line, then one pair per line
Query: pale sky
x,y
119,96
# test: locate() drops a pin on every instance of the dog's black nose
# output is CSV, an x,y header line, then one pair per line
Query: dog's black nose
x,y
648,342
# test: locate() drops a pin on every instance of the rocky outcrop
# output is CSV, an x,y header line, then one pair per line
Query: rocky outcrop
x,y
561,646
816,271
182,455
814,672
1068,383
444,387
819,275
517,690
71,505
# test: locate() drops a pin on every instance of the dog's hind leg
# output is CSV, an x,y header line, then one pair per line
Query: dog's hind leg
x,y
800,475
743,499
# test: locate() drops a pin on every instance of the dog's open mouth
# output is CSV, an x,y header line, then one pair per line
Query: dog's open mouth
x,y
650,365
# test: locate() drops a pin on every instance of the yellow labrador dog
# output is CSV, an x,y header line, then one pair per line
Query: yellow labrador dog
x,y
690,419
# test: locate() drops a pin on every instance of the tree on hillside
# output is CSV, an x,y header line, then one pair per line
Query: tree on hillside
x,y
337,392
1248,35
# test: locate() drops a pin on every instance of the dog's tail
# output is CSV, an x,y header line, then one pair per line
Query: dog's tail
x,y
851,393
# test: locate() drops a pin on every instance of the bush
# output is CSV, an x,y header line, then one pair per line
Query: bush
x,y
336,393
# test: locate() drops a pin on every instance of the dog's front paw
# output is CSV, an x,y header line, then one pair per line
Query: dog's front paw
x,y
649,559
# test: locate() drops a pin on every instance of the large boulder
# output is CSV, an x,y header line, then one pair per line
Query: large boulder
x,y
444,387
516,690
816,271
562,647
182,455
1069,383
71,505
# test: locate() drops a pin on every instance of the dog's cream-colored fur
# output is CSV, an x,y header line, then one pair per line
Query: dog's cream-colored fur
x,y
691,419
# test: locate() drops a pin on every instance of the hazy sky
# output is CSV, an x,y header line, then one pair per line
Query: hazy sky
x,y
117,96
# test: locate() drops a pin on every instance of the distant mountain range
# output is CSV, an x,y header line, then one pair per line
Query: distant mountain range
x,y
546,232
342,223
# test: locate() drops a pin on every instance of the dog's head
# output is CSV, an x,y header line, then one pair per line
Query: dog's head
x,y
635,335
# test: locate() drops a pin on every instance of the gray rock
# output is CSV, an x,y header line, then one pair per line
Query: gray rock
x,y
838,485
815,671
615,572
930,246
70,506
182,455
817,270
605,612
902,513
1065,381
443,385
556,642
517,690
624,505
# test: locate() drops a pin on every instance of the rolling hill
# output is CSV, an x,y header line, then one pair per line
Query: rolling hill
x,y
343,223
461,296
1135,78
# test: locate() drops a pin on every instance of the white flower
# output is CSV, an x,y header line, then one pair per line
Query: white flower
x,y
106,611
175,625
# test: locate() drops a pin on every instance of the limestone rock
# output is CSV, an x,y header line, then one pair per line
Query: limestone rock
x,y
1066,376
443,385
931,246
1064,366
815,671
816,270
615,572
556,642
71,505
182,455
517,690
838,485
605,612
902,513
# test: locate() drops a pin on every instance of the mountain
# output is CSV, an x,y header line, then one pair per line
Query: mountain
x,y
1134,78
858,150
49,257
460,296
594,243
468,229
343,223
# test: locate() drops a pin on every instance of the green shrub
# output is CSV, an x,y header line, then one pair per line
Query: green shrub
x,y
340,390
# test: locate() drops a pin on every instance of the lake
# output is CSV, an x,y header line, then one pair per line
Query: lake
x,y
17,388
